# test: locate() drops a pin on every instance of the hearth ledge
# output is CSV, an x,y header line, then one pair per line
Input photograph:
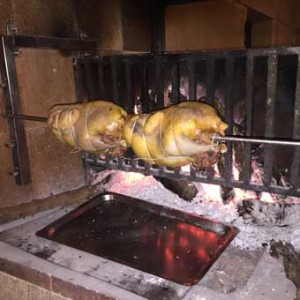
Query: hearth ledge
x,y
58,279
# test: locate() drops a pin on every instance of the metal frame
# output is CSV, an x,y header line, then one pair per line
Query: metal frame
x,y
10,45
112,68
74,228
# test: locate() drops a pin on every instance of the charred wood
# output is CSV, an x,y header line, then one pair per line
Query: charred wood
x,y
183,188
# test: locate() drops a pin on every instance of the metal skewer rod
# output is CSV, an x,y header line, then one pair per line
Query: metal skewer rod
x,y
26,117
232,138
216,137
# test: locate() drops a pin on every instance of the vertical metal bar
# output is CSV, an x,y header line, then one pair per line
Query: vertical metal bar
x,y
210,88
246,173
147,169
159,81
121,162
144,88
101,76
114,77
175,95
192,172
107,159
210,84
128,78
270,115
89,80
229,116
20,150
210,173
133,163
192,79
295,172
78,80
81,96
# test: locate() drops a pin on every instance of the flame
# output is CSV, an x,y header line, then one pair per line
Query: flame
x,y
185,169
206,192
212,192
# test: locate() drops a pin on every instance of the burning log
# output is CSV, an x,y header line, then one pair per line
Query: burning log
x,y
291,261
176,136
93,127
183,188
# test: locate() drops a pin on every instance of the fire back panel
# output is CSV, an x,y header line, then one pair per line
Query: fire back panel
x,y
256,92
162,241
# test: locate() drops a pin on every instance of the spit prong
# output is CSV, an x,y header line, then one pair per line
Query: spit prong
x,y
241,139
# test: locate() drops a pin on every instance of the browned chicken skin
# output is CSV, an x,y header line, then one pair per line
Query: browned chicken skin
x,y
177,135
93,127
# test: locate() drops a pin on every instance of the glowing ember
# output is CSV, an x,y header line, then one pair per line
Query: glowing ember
x,y
185,169
207,203
138,185
206,192
132,177
212,192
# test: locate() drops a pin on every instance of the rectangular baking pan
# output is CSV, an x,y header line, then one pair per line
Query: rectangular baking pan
x,y
169,243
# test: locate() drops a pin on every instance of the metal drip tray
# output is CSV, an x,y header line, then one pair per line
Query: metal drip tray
x,y
152,238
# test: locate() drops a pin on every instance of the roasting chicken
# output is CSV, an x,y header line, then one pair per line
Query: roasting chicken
x,y
93,127
178,135
175,136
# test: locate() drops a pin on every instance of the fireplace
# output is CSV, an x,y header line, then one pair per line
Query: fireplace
x,y
256,92
77,274
253,90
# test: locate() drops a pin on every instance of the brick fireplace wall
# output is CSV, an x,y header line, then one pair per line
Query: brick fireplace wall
x,y
45,78
119,26
221,24
12,288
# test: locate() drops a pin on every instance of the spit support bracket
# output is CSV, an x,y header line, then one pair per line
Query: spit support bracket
x,y
12,30
10,44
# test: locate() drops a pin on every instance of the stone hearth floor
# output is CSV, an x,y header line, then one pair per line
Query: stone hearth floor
x,y
238,274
